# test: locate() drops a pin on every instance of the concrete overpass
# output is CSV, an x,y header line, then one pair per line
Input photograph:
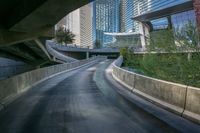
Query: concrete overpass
x,y
82,53
25,25
25,20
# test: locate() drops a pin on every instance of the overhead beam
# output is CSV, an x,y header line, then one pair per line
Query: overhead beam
x,y
21,9
164,12
8,38
47,15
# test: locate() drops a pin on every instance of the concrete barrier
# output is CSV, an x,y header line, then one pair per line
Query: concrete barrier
x,y
167,94
192,107
180,99
123,76
19,83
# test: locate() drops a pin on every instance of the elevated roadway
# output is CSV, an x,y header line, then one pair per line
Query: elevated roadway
x,y
84,101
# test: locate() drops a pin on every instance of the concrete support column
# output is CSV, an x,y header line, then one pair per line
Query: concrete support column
x,y
196,4
39,43
87,55
144,31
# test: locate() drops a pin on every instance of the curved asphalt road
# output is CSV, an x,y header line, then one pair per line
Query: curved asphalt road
x,y
75,102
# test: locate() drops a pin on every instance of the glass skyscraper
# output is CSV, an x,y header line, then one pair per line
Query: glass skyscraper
x,y
106,19
112,16
146,6
79,22
126,13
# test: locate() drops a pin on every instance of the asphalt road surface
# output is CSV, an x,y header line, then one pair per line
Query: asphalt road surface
x,y
79,102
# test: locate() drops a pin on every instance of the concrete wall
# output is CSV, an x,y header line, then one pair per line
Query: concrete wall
x,y
192,107
22,82
181,99
10,67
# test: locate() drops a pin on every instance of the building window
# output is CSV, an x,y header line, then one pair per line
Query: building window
x,y
184,27
159,24
181,19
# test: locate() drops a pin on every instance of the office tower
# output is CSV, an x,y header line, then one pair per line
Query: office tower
x,y
106,19
126,13
86,25
71,22
79,22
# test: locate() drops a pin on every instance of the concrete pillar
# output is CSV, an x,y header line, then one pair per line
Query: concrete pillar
x,y
39,43
54,58
144,31
196,4
142,38
87,55
170,22
189,56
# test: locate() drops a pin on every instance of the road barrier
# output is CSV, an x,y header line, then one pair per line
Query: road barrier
x,y
15,85
180,99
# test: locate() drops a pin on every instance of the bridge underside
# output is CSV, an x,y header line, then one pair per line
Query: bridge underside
x,y
24,21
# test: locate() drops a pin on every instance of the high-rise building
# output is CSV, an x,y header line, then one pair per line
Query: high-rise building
x,y
71,22
86,25
112,16
126,13
80,22
106,13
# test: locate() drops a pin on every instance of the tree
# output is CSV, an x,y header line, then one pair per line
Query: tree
x,y
64,35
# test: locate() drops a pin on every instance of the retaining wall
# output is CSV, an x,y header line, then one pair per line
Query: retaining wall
x,y
22,82
181,99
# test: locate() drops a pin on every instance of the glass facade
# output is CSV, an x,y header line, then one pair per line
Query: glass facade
x,y
176,22
106,19
182,22
159,24
181,19
146,6
126,13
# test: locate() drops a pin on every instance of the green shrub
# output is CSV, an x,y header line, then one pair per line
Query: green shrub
x,y
171,67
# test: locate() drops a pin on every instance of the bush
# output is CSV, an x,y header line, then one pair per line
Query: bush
x,y
171,67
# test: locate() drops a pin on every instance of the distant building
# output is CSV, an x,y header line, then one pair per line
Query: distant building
x,y
86,25
106,19
112,17
71,22
79,22
126,13
151,15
